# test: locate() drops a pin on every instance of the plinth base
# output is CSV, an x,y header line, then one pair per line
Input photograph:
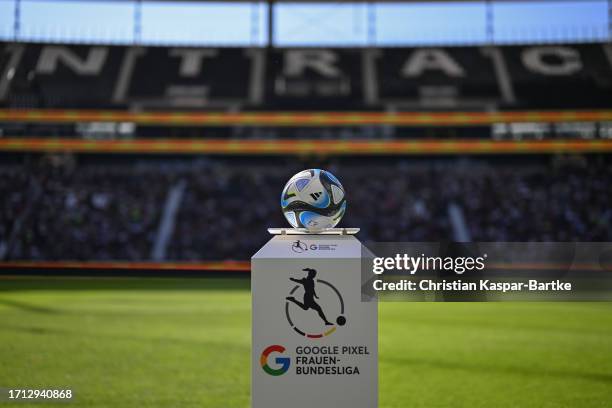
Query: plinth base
x,y
304,231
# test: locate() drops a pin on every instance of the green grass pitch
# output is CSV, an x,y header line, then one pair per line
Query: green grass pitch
x,y
186,343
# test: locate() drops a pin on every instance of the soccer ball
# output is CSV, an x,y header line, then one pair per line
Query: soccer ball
x,y
313,199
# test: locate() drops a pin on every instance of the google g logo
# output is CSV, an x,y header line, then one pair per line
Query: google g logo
x,y
283,362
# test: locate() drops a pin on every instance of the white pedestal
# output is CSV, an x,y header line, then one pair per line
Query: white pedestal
x,y
299,361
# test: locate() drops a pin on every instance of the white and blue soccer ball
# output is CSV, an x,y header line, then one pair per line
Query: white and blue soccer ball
x,y
313,199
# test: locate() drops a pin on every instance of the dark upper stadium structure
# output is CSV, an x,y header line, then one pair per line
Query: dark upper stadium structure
x,y
52,76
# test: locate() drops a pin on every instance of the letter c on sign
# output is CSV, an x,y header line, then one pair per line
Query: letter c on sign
x,y
568,60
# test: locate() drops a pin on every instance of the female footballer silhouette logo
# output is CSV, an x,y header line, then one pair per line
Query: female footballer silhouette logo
x,y
311,301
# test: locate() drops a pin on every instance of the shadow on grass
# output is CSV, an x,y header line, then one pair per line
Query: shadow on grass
x,y
27,307
32,330
27,283
524,371
160,340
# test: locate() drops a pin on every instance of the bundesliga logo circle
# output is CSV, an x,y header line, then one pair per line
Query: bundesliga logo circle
x,y
311,303
299,247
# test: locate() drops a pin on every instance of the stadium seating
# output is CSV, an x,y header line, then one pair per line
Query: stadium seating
x,y
110,210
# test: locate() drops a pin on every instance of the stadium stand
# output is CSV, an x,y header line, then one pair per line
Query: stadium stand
x,y
83,128
110,210
90,213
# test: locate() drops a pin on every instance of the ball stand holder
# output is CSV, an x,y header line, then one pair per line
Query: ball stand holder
x,y
304,231
314,341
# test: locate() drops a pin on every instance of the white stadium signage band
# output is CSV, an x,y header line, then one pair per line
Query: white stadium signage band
x,y
449,77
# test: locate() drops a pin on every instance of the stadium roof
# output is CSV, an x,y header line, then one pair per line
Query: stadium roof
x,y
334,2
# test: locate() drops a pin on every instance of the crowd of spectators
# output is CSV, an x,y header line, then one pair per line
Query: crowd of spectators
x,y
74,212
93,210
567,201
